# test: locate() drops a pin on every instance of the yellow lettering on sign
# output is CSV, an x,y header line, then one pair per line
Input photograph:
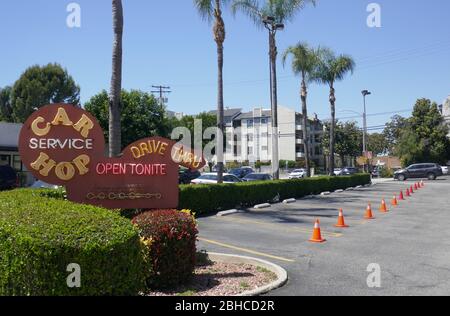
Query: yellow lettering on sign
x,y
65,171
37,130
43,164
84,126
81,163
62,118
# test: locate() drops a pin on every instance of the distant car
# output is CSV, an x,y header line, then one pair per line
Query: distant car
x,y
348,171
257,177
337,171
8,178
297,174
186,176
43,185
422,170
212,178
241,172
376,172
445,170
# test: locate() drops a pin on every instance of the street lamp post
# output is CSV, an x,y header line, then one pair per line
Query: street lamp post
x,y
365,93
272,26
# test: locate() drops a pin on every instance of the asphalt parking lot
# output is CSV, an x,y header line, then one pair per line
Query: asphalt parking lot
x,y
411,243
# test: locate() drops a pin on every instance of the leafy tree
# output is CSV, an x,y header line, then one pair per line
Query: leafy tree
x,y
142,116
424,139
377,144
348,137
115,137
188,121
393,130
281,11
5,105
331,69
304,63
39,86
209,9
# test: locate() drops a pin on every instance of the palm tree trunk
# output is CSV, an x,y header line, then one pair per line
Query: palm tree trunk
x,y
115,136
304,95
219,35
273,58
332,129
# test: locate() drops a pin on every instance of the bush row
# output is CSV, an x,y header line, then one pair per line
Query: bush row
x,y
40,237
205,199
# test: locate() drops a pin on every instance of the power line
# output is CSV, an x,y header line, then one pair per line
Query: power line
x,y
162,91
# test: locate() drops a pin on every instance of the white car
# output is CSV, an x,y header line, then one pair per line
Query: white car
x,y
337,171
43,185
211,178
445,170
297,174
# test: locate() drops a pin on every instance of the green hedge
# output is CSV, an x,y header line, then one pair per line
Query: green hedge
x,y
40,236
205,199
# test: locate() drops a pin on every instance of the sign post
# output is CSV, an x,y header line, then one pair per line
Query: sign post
x,y
64,145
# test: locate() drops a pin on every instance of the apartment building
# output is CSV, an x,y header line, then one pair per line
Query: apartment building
x,y
445,110
249,136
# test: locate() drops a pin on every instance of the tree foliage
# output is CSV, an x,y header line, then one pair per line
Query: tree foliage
x,y
39,86
392,132
142,116
348,140
424,138
377,143
5,104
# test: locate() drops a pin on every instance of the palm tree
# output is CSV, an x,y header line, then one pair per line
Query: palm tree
x,y
304,62
210,9
332,68
272,14
115,135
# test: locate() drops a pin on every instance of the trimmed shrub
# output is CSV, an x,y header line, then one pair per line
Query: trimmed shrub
x,y
171,238
41,236
205,199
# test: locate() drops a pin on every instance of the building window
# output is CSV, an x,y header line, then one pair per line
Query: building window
x,y
250,137
265,148
17,163
5,160
249,151
264,121
250,123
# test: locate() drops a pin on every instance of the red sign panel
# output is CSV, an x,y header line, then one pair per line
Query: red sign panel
x,y
64,145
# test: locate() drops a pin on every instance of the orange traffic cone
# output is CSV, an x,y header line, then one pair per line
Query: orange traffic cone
x,y
341,220
317,235
416,187
411,190
383,208
394,201
401,197
407,192
423,184
369,214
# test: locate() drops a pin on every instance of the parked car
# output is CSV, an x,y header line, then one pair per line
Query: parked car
x,y
297,174
257,177
422,170
445,170
348,171
376,172
212,178
241,172
337,171
8,178
187,175
43,185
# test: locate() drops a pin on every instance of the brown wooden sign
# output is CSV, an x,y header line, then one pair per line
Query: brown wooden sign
x,y
64,145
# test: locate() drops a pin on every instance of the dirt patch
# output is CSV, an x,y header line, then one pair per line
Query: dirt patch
x,y
222,279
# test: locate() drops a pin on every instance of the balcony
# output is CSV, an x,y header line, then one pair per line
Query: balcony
x,y
300,141
300,155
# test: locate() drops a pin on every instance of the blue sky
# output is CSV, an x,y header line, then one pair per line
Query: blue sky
x,y
165,42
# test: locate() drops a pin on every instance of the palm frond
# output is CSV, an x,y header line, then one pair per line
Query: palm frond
x,y
305,59
284,10
206,8
249,8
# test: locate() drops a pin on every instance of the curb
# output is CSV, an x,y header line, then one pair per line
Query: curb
x,y
281,273
226,213
261,206
289,201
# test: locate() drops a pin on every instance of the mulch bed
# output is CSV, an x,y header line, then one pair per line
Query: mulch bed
x,y
222,279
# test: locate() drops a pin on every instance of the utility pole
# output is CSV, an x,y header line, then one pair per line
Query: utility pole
x,y
161,91
365,93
